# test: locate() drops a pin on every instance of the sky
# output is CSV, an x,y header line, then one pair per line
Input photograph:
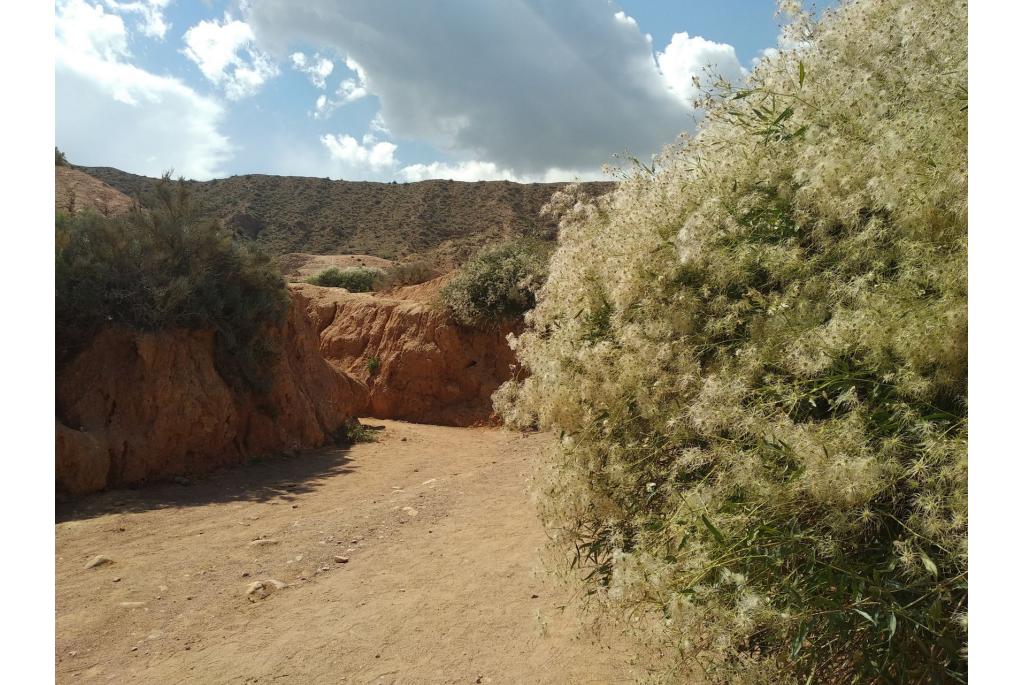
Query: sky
x,y
390,90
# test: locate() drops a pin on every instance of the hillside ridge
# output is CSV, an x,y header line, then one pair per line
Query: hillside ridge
x,y
440,219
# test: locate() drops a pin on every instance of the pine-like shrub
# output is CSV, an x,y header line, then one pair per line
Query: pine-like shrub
x,y
497,285
754,356
161,269
356,279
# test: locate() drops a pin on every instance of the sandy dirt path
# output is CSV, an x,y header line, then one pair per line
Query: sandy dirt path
x,y
443,582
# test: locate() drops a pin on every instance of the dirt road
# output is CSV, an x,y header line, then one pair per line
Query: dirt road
x,y
442,582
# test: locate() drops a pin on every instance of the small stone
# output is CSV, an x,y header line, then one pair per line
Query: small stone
x,y
295,506
534,596
73,653
263,542
135,649
245,574
404,439
260,589
117,580
410,511
341,560
131,605
99,560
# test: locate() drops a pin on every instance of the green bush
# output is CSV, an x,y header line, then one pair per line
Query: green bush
x,y
60,159
357,279
497,285
373,365
162,269
754,354
353,432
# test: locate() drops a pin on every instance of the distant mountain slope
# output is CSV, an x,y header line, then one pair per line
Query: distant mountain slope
x,y
444,219
75,191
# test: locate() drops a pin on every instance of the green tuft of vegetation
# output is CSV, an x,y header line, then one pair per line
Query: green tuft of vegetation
x,y
754,353
373,365
497,285
354,432
60,158
356,279
162,269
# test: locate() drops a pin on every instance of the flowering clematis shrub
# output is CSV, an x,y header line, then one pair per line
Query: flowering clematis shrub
x,y
754,357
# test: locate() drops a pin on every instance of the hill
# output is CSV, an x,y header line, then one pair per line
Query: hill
x,y
446,220
75,190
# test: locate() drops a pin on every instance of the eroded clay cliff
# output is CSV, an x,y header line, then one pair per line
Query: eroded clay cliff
x,y
134,407
417,363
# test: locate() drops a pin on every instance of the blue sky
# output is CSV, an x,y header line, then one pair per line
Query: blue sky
x,y
389,90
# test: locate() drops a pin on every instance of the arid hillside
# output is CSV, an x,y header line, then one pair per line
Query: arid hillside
x,y
447,220
75,190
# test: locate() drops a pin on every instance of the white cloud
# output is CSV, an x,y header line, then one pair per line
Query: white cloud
x,y
226,54
377,125
462,171
87,30
624,18
476,170
351,90
151,15
317,69
110,112
355,155
527,86
686,58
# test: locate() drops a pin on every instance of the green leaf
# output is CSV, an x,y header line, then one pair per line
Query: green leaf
x,y
798,640
714,531
892,624
802,74
929,565
866,615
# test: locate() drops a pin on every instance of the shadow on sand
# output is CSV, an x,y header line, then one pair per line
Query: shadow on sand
x,y
278,477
